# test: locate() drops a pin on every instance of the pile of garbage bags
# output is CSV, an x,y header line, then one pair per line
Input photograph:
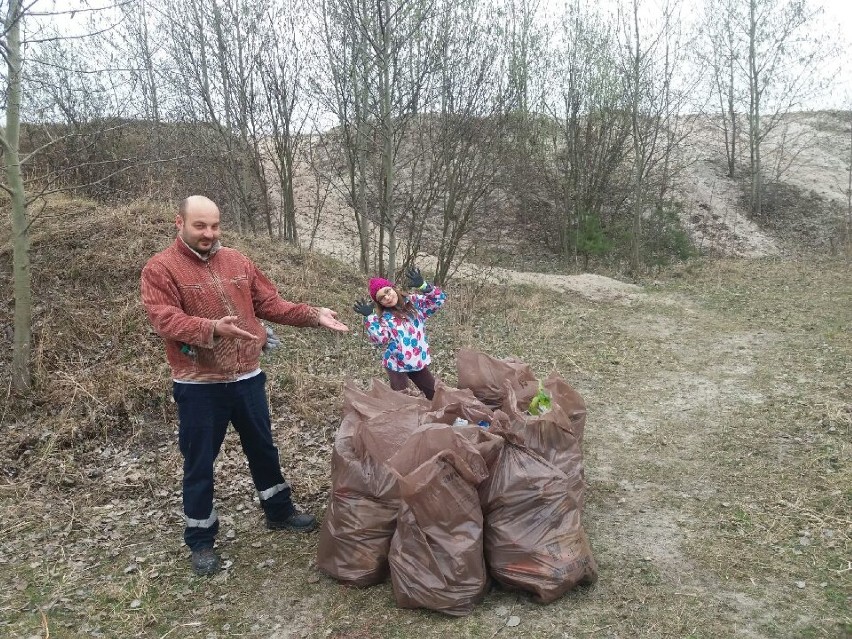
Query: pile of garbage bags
x,y
441,495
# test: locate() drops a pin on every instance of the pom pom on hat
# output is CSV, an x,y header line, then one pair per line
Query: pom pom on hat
x,y
376,284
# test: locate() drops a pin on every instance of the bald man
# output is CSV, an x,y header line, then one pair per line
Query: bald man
x,y
206,302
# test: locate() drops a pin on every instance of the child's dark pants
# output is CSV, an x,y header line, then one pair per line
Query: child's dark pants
x,y
422,379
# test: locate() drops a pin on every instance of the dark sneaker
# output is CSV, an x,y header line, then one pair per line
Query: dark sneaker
x,y
205,561
298,522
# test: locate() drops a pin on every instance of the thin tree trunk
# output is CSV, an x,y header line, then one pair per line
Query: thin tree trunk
x,y
665,176
732,116
22,274
636,254
848,238
387,151
290,202
361,155
754,103
149,86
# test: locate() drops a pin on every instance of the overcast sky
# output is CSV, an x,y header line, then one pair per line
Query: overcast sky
x,y
834,26
838,23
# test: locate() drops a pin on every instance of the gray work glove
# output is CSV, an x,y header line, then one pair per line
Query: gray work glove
x,y
415,279
363,307
272,340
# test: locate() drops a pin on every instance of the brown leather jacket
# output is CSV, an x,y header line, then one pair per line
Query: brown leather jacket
x,y
184,294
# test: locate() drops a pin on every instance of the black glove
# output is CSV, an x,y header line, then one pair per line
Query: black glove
x,y
364,307
415,279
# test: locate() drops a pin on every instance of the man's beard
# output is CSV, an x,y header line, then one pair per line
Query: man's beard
x,y
196,246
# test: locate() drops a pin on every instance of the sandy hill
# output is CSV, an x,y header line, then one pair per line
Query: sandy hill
x,y
806,158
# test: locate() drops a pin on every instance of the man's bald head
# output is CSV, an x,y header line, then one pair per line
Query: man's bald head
x,y
196,203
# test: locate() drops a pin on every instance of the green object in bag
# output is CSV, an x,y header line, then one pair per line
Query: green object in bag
x,y
540,404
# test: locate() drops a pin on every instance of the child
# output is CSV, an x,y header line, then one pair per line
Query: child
x,y
400,327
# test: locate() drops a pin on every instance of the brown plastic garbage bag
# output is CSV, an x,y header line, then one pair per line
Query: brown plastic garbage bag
x,y
436,556
360,519
383,435
486,443
484,375
382,391
447,396
557,435
452,404
379,399
534,539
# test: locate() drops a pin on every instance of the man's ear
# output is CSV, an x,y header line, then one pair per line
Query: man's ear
x,y
179,222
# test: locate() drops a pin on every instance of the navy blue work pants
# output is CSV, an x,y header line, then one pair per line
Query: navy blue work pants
x,y
204,411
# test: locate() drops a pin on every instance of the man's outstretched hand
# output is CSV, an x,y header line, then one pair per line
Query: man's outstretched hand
x,y
328,318
227,327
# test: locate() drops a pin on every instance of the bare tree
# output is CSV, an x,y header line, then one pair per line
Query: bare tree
x,y
848,218
214,47
10,140
524,57
345,94
393,56
524,46
775,41
721,54
48,86
765,62
651,50
638,68
135,38
279,70
463,139
404,50
588,142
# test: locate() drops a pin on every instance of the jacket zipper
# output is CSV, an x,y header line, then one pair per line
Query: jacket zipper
x,y
229,309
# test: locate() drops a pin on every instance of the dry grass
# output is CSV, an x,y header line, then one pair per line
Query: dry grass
x,y
717,453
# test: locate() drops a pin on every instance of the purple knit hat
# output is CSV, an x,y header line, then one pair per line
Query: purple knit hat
x,y
377,283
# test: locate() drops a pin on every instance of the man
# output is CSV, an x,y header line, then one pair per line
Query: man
x,y
206,301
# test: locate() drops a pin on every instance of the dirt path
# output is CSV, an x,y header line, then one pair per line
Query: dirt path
x,y
707,451
651,441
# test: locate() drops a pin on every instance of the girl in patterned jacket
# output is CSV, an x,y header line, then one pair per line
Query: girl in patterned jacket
x,y
397,322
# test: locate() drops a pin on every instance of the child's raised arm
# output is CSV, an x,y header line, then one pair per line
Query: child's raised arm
x,y
430,301
430,298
